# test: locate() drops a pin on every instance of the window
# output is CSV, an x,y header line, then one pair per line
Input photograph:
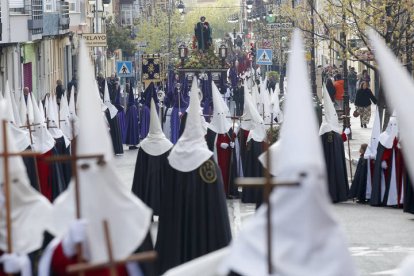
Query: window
x,y
16,4
72,7
48,6
37,14
126,14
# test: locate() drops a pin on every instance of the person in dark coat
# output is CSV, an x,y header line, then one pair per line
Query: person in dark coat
x,y
59,90
363,99
151,167
334,152
238,96
359,183
112,87
193,217
73,83
331,88
101,84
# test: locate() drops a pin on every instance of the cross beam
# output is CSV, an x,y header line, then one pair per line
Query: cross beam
x,y
81,267
6,155
269,183
111,264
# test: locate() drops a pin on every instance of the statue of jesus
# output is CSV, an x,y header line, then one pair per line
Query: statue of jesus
x,y
202,32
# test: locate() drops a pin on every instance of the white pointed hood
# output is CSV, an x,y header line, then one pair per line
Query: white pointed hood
x,y
72,112
302,216
258,130
20,136
43,109
371,151
30,211
12,103
42,139
155,143
22,112
103,196
266,104
220,123
205,265
30,108
387,137
52,117
258,133
400,95
191,149
65,124
256,97
107,101
251,116
399,92
72,105
46,105
330,121
90,126
275,106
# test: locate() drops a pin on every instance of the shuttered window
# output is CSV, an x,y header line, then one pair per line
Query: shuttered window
x,y
16,4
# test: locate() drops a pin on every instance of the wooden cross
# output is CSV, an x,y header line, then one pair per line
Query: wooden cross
x,y
81,267
48,125
268,182
347,123
112,263
6,155
29,128
232,139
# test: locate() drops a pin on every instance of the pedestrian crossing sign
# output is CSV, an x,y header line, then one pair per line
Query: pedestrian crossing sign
x,y
264,56
124,68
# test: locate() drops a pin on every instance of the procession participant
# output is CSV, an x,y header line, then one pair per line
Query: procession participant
x,y
150,176
195,191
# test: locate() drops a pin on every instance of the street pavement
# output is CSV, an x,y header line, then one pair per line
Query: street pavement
x,y
379,237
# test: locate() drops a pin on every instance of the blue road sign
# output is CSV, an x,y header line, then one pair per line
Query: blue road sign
x,y
124,69
264,56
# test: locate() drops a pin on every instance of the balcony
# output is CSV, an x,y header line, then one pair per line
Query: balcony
x,y
57,23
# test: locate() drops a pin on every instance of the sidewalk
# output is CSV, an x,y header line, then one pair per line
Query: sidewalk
x,y
359,135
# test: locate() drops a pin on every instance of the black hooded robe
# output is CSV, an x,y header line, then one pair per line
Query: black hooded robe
x,y
334,151
193,216
150,178
115,132
253,168
378,196
66,166
358,188
408,195
29,163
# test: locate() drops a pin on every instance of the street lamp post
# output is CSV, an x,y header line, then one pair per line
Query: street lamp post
x,y
182,52
223,55
312,50
346,118
180,6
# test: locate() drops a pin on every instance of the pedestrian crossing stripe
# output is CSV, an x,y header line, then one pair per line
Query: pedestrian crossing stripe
x,y
124,70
